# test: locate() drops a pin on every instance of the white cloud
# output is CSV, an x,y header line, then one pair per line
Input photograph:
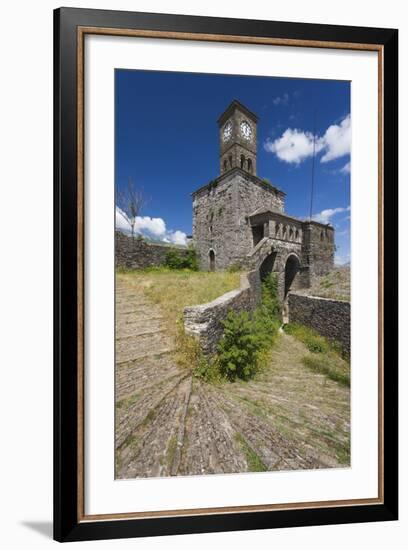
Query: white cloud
x,y
281,100
346,168
178,237
325,215
294,146
120,220
337,140
151,227
154,226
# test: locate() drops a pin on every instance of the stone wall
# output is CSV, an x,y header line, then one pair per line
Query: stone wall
x,y
330,318
205,321
134,253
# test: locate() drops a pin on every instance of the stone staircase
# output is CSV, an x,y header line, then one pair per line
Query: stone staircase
x,y
170,423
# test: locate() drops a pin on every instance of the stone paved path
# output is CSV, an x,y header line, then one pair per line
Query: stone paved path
x,y
169,423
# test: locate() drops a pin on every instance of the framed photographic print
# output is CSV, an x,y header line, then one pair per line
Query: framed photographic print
x,y
225,274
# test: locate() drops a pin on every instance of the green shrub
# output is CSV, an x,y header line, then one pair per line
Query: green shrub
x,y
208,369
234,268
270,298
239,348
265,327
173,259
176,260
191,259
247,339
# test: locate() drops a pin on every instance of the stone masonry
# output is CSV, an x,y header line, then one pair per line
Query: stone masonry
x,y
134,253
220,216
331,318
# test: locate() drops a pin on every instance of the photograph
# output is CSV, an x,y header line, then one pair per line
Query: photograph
x,y
232,218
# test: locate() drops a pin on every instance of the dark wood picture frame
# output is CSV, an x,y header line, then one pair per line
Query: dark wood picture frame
x,y
70,27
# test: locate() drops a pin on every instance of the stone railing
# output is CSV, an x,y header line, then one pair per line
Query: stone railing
x,y
259,252
204,321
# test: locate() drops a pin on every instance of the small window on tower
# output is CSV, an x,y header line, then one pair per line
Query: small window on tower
x,y
211,255
242,162
250,166
225,165
230,161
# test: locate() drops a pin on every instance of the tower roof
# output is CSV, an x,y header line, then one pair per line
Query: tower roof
x,y
235,104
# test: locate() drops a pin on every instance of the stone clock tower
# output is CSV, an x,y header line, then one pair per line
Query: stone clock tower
x,y
239,218
237,132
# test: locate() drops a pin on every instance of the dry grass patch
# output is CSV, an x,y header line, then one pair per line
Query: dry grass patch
x,y
173,290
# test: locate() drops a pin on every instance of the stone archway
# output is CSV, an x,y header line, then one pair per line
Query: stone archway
x,y
292,268
290,280
267,265
285,262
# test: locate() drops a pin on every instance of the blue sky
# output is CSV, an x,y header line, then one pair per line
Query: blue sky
x,y
166,141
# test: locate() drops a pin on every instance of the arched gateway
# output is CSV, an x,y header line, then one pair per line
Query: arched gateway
x,y
292,269
288,268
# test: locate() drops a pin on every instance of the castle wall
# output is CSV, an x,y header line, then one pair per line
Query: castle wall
x,y
330,318
133,253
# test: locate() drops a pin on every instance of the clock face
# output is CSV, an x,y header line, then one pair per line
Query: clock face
x,y
246,130
226,133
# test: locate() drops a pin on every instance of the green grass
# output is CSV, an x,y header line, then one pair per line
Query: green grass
x,y
325,357
343,453
330,366
127,402
255,464
312,340
171,450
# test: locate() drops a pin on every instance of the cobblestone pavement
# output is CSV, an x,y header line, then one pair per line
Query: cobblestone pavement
x,y
170,423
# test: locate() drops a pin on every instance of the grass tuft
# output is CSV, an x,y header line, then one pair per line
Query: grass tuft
x,y
326,357
330,366
171,450
312,340
255,463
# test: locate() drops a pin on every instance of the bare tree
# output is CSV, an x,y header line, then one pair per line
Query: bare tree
x,y
130,200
